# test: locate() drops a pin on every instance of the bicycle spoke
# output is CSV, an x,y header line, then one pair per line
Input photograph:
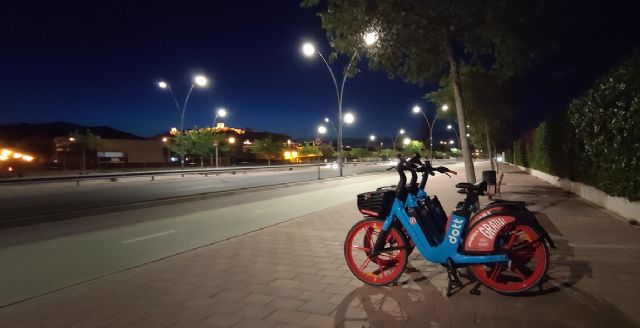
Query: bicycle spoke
x,y
496,271
366,262
364,249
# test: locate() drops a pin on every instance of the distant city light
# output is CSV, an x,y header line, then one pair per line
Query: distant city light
x,y
232,140
165,139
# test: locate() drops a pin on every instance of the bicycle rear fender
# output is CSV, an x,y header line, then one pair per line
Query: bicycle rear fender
x,y
495,207
482,235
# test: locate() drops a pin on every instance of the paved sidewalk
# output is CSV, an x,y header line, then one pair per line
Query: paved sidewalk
x,y
294,275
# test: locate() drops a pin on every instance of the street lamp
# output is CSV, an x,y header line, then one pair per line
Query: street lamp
x,y
322,129
349,118
221,112
198,80
450,127
406,141
393,140
309,50
430,124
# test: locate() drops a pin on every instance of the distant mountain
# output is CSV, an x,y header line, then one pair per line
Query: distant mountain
x,y
21,131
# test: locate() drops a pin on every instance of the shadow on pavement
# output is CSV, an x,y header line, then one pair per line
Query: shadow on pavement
x,y
418,300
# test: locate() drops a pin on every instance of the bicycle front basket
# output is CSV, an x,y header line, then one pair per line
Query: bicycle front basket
x,y
376,203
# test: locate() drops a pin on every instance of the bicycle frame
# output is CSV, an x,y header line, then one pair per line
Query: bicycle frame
x,y
448,249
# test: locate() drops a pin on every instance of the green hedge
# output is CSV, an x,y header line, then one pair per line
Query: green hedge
x,y
597,141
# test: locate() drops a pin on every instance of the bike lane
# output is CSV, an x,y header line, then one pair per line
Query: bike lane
x,y
294,275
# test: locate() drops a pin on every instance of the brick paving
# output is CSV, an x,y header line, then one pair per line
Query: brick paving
x,y
294,275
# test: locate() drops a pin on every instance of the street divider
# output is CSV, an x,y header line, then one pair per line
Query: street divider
x,y
113,177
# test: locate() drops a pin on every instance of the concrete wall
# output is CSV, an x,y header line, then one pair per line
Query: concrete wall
x,y
619,205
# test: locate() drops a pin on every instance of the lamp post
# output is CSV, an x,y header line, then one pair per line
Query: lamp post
x,y
198,80
430,124
327,120
394,139
450,127
165,141
309,50
371,139
221,112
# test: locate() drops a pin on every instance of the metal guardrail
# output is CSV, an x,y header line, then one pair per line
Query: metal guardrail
x,y
115,176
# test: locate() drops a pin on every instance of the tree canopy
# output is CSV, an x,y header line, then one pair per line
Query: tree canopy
x,y
426,41
267,148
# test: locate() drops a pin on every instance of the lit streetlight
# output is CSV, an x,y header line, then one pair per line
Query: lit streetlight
x,y
450,127
349,118
406,141
322,129
430,124
198,80
394,139
309,50
221,112
370,38
372,138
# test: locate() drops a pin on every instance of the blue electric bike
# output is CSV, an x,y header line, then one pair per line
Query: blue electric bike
x,y
503,245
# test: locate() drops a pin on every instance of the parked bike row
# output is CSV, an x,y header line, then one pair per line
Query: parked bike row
x,y
501,245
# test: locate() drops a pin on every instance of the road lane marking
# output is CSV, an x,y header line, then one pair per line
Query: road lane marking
x,y
148,236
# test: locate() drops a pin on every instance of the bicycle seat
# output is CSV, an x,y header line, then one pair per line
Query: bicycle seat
x,y
516,203
478,188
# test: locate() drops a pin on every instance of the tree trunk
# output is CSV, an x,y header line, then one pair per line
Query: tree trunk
x,y
84,161
489,147
269,161
201,162
454,75
495,155
211,159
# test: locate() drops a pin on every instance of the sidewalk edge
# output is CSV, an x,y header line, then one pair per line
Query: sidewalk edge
x,y
618,205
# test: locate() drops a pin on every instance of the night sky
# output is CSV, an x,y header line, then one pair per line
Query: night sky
x,y
98,63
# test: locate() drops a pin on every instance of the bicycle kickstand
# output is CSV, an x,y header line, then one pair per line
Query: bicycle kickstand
x,y
454,280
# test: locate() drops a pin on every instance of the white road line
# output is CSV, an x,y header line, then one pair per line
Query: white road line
x,y
148,237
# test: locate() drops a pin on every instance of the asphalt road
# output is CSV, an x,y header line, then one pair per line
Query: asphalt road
x,y
28,200
46,257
